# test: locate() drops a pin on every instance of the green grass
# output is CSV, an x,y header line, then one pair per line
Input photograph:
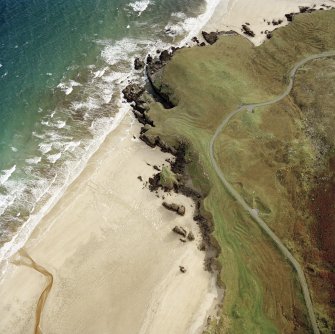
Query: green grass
x,y
261,292
167,178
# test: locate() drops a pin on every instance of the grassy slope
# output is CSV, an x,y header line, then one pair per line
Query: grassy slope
x,y
262,295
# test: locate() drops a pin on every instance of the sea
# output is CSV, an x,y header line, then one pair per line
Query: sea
x,y
63,65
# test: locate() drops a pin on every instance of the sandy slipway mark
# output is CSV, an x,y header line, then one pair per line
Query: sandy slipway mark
x,y
26,260
253,213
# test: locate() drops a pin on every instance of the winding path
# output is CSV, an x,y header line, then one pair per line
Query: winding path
x,y
253,212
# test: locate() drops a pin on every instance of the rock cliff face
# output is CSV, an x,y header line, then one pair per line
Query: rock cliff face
x,y
140,99
134,93
154,70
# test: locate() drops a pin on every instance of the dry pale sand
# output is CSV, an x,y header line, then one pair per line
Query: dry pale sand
x,y
114,259
232,14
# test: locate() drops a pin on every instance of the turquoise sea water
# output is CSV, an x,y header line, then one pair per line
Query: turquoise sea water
x,y
62,66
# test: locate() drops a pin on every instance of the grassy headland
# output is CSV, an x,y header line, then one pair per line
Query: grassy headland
x,y
271,156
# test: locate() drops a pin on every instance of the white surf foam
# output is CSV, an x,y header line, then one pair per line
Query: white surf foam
x,y
45,147
139,6
54,157
67,87
33,161
6,174
90,104
193,27
117,51
71,146
190,25
100,73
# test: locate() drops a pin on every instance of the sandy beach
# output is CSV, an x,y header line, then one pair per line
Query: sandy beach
x,y
114,260
107,251
258,13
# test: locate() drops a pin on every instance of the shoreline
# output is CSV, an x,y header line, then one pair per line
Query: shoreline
x,y
12,277
13,246
42,236
18,241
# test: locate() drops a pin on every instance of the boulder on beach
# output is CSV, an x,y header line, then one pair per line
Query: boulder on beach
x,y
195,40
180,230
246,30
190,236
182,269
179,209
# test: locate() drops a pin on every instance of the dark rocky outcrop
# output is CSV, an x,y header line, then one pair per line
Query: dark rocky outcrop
x,y
202,246
205,223
149,59
190,236
247,31
182,269
132,92
211,37
179,230
155,64
153,69
156,141
228,32
140,101
143,118
195,40
189,192
303,9
179,209
178,167
277,22
165,56
138,64
289,17
154,182
206,230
